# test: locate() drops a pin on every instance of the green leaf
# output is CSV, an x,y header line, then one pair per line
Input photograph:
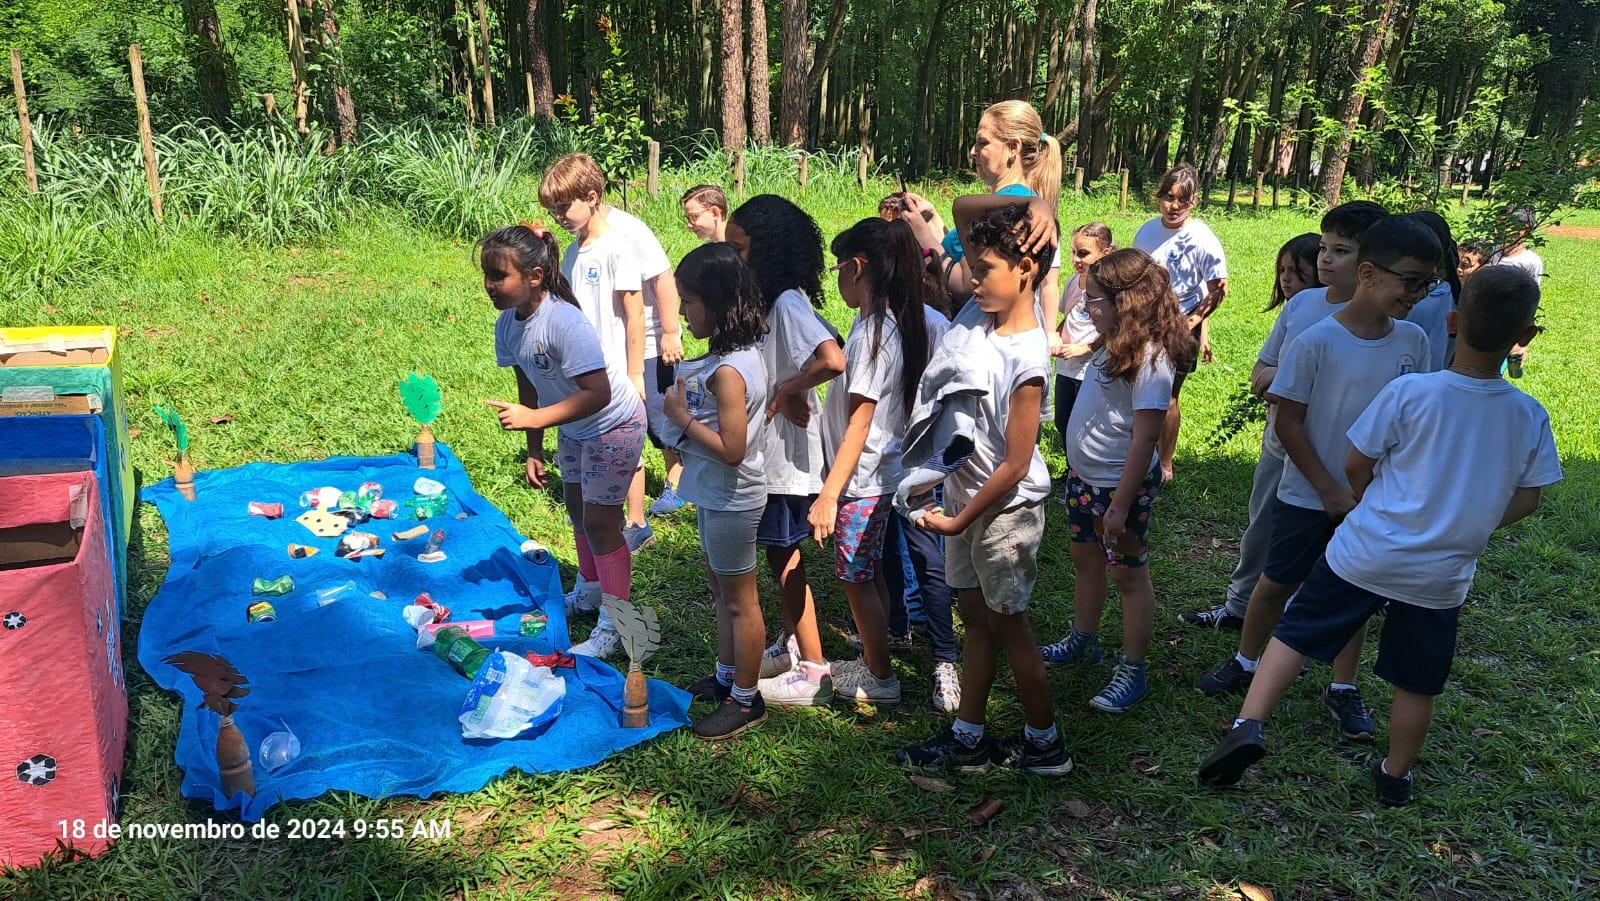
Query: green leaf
x,y
420,394
180,432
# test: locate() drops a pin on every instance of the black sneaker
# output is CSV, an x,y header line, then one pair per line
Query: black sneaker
x,y
709,689
1241,747
730,719
1392,791
1227,679
1022,754
945,751
1216,617
1350,712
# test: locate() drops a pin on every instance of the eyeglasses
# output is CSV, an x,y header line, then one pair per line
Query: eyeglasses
x,y
839,266
1412,283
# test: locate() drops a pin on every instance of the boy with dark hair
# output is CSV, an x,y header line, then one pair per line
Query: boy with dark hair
x,y
1327,377
989,372
1439,462
1336,269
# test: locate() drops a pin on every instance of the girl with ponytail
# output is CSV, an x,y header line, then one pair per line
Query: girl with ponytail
x,y
565,380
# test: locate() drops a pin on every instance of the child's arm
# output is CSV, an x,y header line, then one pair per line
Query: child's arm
x,y
1042,229
1146,430
528,396
1523,502
789,397
730,444
825,509
594,392
1337,500
1261,376
1022,436
671,345
630,306
1358,469
1216,292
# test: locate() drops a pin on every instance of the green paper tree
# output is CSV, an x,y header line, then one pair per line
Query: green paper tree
x,y
180,432
420,394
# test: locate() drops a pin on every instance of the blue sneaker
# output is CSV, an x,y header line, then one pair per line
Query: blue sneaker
x,y
638,536
668,503
1127,688
1076,647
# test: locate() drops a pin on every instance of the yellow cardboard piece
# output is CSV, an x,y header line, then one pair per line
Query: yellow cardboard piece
x,y
323,524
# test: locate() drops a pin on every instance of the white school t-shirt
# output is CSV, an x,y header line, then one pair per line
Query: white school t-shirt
x,y
597,272
552,348
1006,361
1076,328
1191,254
1429,313
938,326
1304,309
794,453
1335,374
651,260
1527,261
1451,451
707,482
879,380
1100,430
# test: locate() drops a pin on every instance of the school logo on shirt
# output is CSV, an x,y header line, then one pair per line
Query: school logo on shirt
x,y
1408,365
591,274
541,360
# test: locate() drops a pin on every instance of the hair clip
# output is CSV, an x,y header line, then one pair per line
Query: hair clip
x,y
927,253
536,226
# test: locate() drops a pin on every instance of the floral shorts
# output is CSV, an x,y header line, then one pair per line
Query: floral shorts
x,y
858,537
603,465
1086,504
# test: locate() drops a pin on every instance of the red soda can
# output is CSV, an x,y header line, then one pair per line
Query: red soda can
x,y
270,511
384,509
441,613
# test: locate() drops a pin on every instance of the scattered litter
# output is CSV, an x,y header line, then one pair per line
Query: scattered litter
x,y
270,511
301,551
432,552
982,812
408,534
260,612
278,587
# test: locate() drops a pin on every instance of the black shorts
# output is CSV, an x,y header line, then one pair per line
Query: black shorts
x,y
1414,652
1299,535
1066,395
786,520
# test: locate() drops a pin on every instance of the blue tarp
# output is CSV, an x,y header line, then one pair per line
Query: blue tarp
x,y
374,715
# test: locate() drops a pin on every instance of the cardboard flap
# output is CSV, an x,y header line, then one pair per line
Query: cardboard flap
x,y
44,348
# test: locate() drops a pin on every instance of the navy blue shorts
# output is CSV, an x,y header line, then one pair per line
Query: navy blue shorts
x,y
786,521
1299,536
1417,646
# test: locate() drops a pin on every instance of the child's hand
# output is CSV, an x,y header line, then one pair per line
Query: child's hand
x,y
1113,526
1338,503
1042,231
824,515
535,471
675,404
671,347
938,523
793,406
514,417
1206,356
1261,379
923,218
1057,348
638,384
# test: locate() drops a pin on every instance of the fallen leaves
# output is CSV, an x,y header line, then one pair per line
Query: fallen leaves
x,y
982,812
1252,892
1077,809
930,784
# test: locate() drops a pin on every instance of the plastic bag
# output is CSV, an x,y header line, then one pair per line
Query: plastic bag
x,y
509,697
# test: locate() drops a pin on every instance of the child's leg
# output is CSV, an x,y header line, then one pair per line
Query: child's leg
x,y
926,551
744,630
895,556
1408,726
1089,588
1014,634
870,610
1279,667
798,610
1167,447
636,497
1257,538
1138,607
1262,614
572,493
1344,665
603,526
978,664
674,466
858,534
725,642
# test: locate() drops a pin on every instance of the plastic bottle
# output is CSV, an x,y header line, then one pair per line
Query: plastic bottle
x,y
454,646
535,552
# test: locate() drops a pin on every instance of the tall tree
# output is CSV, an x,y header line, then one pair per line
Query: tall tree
x,y
1338,155
925,85
732,75
760,77
1086,117
796,66
341,105
210,61
544,101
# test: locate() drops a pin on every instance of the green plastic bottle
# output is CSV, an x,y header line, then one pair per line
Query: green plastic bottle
x,y
455,647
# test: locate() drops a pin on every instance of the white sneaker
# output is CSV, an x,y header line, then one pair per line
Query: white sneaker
x,y
862,685
584,596
602,643
946,688
779,658
840,667
806,685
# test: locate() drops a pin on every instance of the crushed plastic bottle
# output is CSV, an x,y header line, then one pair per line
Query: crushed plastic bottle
x,y
279,748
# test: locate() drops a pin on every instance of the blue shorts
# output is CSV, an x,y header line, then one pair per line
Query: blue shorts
x,y
1086,504
1299,536
858,533
786,520
1417,646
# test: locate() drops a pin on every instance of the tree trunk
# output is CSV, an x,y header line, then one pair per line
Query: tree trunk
x,y
732,75
925,82
796,66
1402,35
1338,155
208,57
544,98
1085,134
344,107
760,76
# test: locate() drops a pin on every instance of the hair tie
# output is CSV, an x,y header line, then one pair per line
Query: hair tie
x,y
536,226
1042,136
927,253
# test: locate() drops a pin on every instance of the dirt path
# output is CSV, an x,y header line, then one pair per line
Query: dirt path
x,y
1575,231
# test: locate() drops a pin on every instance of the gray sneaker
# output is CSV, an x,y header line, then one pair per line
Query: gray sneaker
x,y
638,536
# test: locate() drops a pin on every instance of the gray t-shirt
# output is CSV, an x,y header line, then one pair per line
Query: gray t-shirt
x,y
1430,313
794,453
1303,310
552,348
1006,361
1336,375
1100,430
878,380
707,482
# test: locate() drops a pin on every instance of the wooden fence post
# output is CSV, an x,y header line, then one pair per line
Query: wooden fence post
x,y
1466,185
528,77
28,171
652,178
146,141
1261,178
738,172
861,167
1122,196
488,69
297,65
1276,179
805,169
1077,180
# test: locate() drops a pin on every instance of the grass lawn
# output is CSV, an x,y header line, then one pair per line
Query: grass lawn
x,y
302,348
